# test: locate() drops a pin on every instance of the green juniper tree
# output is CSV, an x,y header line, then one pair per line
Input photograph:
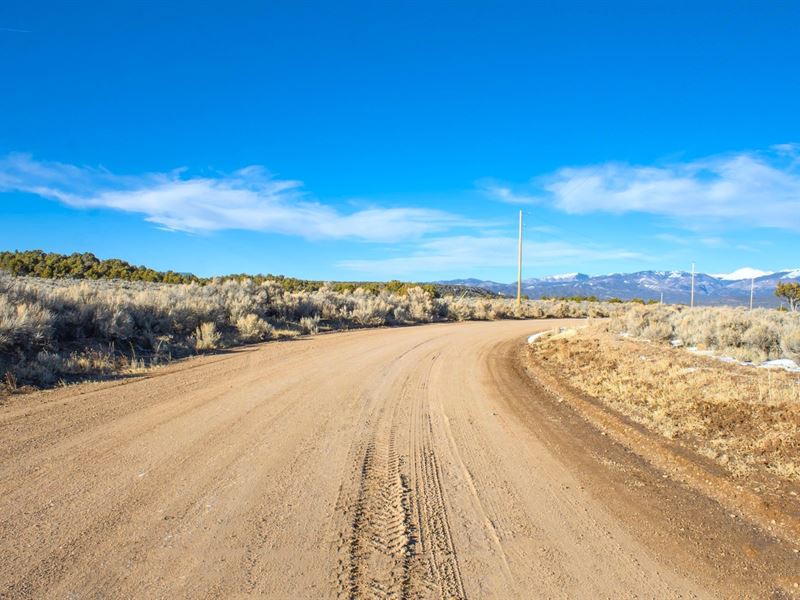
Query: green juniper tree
x,y
789,292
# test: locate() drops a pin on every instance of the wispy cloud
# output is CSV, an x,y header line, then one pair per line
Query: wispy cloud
x,y
501,192
465,253
708,241
247,199
753,188
672,238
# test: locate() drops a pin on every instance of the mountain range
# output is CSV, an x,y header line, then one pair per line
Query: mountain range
x,y
726,288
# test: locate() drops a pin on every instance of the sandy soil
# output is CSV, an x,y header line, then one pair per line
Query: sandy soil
x,y
422,462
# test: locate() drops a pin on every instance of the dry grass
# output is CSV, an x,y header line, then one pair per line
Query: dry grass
x,y
743,418
206,337
53,329
752,336
253,328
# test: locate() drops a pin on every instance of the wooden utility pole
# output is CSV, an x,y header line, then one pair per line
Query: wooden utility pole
x,y
692,300
752,287
519,262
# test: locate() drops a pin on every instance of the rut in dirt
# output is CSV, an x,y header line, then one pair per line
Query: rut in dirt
x,y
398,536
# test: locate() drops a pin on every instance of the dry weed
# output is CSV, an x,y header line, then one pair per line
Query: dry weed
x,y
206,337
751,336
253,328
310,325
742,417
47,325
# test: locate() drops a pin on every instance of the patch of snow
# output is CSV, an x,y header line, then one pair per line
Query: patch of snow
x,y
781,363
793,274
676,343
560,333
710,354
536,336
743,273
561,277
696,350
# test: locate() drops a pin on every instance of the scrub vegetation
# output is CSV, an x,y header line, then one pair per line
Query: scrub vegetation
x,y
52,265
744,418
751,336
55,330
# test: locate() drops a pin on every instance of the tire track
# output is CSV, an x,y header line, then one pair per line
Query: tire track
x,y
254,477
438,557
381,541
395,538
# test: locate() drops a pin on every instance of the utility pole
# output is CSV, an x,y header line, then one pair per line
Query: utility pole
x,y
662,298
752,286
692,300
519,262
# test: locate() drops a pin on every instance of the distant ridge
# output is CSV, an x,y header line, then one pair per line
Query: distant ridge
x,y
727,288
743,273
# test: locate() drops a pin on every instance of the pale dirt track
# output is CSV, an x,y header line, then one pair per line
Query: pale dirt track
x,y
373,464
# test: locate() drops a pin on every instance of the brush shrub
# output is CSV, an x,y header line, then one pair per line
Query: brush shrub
x,y
253,328
53,329
790,343
753,336
206,337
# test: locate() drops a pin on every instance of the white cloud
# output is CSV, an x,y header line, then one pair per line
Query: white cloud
x,y
449,254
671,238
792,150
505,193
248,199
756,189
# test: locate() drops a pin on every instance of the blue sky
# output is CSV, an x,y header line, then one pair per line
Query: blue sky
x,y
372,140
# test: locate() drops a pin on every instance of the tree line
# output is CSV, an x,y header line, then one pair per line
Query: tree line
x,y
85,265
52,265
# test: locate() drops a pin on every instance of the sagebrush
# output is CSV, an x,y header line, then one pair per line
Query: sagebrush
x,y
753,336
53,329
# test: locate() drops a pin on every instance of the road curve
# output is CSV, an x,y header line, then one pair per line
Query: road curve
x,y
370,464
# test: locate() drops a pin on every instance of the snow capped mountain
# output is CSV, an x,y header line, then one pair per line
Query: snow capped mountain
x,y
565,277
729,288
743,273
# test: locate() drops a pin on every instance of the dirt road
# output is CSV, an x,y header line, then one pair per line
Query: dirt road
x,y
401,463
